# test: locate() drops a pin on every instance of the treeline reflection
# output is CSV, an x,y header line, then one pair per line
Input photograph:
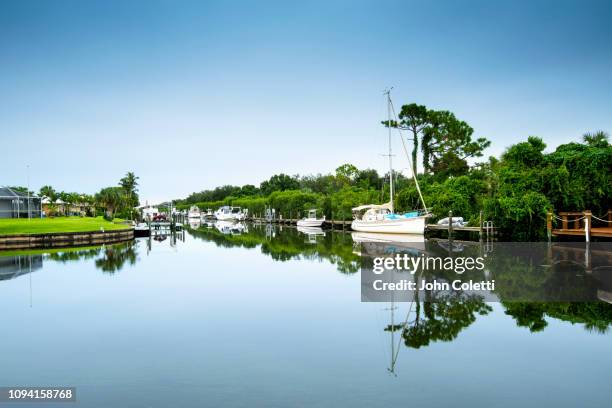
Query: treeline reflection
x,y
523,278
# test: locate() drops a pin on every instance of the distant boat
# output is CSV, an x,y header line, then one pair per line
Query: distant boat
x,y
209,214
142,230
194,212
227,213
381,218
311,220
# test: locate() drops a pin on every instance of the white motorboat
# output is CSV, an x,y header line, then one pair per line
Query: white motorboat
x,y
227,213
194,212
381,218
311,220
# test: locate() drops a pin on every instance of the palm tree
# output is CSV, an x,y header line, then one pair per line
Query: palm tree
x,y
110,198
129,186
596,139
49,192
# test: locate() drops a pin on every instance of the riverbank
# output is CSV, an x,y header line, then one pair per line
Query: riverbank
x,y
61,232
17,226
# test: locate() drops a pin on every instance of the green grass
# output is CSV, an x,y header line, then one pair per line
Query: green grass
x,y
9,226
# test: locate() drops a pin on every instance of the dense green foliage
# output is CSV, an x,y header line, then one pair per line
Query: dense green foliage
x,y
515,191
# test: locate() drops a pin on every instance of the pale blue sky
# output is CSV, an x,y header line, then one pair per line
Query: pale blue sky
x,y
190,95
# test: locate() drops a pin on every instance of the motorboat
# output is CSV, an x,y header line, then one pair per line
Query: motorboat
x,y
227,213
142,230
194,212
311,220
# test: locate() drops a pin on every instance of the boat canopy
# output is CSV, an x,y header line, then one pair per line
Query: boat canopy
x,y
386,206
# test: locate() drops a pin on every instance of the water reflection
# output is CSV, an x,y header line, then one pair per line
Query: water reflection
x,y
287,243
14,266
533,284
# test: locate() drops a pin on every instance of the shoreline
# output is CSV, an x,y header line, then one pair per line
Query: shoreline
x,y
64,239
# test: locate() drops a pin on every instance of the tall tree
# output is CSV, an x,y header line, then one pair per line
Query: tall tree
x,y
129,185
448,138
414,119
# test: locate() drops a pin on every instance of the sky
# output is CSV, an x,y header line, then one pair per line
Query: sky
x,y
190,95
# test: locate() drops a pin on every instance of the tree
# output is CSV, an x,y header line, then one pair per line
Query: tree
x,y
49,192
111,199
129,185
447,136
279,182
440,132
596,139
248,190
347,173
525,154
368,178
413,118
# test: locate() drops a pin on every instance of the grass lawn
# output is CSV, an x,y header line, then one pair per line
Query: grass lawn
x,y
10,226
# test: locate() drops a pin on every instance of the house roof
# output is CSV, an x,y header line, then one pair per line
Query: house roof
x,y
7,192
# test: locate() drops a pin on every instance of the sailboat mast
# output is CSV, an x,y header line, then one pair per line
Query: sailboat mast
x,y
390,156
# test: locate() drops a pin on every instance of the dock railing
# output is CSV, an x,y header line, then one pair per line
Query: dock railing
x,y
579,223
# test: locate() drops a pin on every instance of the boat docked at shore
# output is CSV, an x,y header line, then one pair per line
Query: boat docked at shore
x,y
381,218
142,229
227,213
311,220
194,212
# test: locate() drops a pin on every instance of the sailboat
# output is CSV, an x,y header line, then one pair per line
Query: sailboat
x,y
382,218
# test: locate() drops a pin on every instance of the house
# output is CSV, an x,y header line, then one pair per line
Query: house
x,y
17,204
59,207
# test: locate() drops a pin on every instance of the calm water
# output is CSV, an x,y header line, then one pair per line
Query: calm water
x,y
274,318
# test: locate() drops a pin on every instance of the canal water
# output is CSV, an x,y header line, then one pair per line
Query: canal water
x,y
263,316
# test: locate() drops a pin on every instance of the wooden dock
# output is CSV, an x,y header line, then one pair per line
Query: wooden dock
x,y
581,224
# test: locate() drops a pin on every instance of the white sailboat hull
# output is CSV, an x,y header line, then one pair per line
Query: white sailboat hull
x,y
414,225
